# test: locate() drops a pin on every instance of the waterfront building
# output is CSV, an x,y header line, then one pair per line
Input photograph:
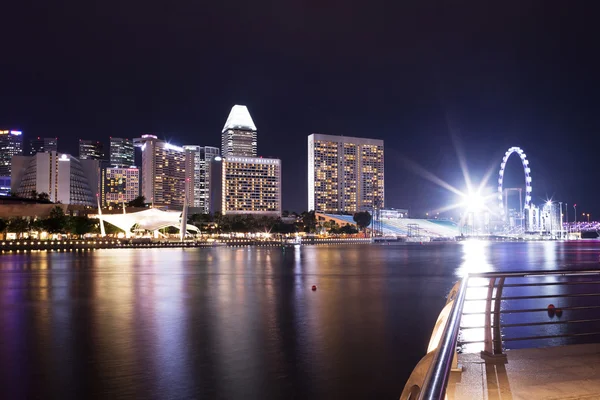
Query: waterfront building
x,y
90,150
122,152
40,145
163,171
11,144
246,185
64,178
120,185
345,174
239,137
197,175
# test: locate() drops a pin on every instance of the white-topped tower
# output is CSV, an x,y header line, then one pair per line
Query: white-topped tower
x,y
239,134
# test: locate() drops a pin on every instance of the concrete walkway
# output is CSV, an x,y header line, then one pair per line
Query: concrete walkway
x,y
564,372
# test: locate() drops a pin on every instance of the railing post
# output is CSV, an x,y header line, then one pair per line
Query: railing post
x,y
492,352
497,333
487,339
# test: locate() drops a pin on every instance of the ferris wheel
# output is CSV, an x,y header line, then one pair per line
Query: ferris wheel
x,y
526,170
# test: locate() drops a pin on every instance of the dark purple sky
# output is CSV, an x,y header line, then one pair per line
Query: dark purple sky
x,y
521,74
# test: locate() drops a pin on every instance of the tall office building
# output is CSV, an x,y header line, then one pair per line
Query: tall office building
x,y
64,178
246,185
163,171
239,134
197,175
121,152
345,174
90,150
41,145
11,144
120,185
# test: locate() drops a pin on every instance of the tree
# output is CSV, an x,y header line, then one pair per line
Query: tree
x,y
81,225
309,221
33,194
362,219
139,202
348,229
18,225
44,196
3,225
57,221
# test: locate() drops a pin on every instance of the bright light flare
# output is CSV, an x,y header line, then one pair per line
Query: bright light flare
x,y
474,202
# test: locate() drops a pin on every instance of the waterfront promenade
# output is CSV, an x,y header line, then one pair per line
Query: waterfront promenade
x,y
563,372
91,244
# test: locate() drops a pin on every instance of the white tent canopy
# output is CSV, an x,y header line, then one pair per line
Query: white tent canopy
x,y
151,219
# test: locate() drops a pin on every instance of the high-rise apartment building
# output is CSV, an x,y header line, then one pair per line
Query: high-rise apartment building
x,y
120,185
345,174
246,185
41,145
11,144
90,150
64,178
239,134
163,171
121,152
197,175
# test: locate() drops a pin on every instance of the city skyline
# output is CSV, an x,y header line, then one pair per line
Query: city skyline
x,y
505,78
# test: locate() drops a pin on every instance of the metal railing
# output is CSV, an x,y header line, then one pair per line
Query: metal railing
x,y
430,378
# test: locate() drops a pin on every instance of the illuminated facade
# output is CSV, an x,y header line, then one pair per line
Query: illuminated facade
x,y
345,174
64,178
197,175
246,185
11,144
121,152
163,171
120,185
90,150
239,134
41,145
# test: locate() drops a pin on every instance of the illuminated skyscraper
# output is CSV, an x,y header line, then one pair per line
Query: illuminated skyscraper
x,y
239,134
11,144
197,174
121,152
41,145
90,150
163,171
246,185
345,174
64,178
120,185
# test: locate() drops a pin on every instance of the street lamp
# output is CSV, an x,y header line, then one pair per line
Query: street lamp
x,y
588,218
575,208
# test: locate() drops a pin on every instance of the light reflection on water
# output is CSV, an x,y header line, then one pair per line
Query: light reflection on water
x,y
237,322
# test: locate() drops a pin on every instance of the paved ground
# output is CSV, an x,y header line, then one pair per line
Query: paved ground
x,y
565,372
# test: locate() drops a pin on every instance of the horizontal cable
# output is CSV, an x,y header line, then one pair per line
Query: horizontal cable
x,y
572,321
538,284
541,296
550,336
525,310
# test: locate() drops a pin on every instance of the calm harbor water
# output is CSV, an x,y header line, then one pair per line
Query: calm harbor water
x,y
234,323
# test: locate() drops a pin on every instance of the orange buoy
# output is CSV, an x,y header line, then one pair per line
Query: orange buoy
x,y
558,312
314,287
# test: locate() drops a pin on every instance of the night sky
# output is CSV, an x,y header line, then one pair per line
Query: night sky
x,y
522,74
